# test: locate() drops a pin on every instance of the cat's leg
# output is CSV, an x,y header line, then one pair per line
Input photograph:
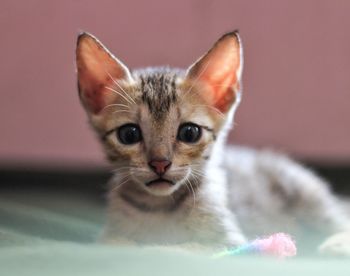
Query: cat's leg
x,y
205,248
308,197
337,244
203,232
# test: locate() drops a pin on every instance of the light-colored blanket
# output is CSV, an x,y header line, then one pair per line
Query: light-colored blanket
x,y
53,233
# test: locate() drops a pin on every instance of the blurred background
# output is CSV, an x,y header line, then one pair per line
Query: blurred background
x,y
296,75
52,171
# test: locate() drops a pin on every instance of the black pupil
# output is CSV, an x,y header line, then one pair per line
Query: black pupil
x,y
189,133
129,134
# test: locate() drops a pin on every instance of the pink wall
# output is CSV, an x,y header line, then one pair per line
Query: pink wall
x,y
296,82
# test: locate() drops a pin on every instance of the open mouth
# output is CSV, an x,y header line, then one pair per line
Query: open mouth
x,y
159,182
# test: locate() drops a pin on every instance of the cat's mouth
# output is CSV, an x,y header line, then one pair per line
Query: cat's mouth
x,y
160,186
159,183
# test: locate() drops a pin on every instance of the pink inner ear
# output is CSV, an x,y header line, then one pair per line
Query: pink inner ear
x,y
93,94
221,84
223,92
96,68
93,82
219,70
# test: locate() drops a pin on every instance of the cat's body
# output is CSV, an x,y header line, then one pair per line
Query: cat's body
x,y
176,183
263,193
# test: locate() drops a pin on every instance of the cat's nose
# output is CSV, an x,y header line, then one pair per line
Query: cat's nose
x,y
160,166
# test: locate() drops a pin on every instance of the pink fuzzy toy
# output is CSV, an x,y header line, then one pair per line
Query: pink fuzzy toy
x,y
279,245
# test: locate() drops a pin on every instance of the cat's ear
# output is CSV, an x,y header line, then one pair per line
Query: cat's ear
x,y
219,70
97,70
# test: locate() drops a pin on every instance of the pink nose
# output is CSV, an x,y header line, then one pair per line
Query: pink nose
x,y
160,166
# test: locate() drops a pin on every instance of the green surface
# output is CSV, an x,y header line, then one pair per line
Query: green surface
x,y
51,231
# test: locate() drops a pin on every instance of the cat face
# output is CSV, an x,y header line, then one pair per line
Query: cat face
x,y
158,125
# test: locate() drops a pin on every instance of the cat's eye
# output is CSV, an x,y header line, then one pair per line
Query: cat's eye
x,y
189,133
129,134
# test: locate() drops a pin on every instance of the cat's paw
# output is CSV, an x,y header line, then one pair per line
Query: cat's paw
x,y
336,245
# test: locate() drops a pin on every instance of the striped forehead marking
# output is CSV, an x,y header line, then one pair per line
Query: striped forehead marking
x,y
159,92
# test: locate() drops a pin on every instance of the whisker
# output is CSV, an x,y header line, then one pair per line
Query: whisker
x,y
121,88
121,172
177,169
212,107
122,168
188,188
120,94
195,174
196,167
140,169
196,177
199,176
194,193
113,105
121,184
122,176
117,111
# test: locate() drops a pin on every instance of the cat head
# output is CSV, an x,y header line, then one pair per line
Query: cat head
x,y
158,126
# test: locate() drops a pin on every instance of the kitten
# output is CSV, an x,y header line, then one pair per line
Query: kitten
x,y
175,181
